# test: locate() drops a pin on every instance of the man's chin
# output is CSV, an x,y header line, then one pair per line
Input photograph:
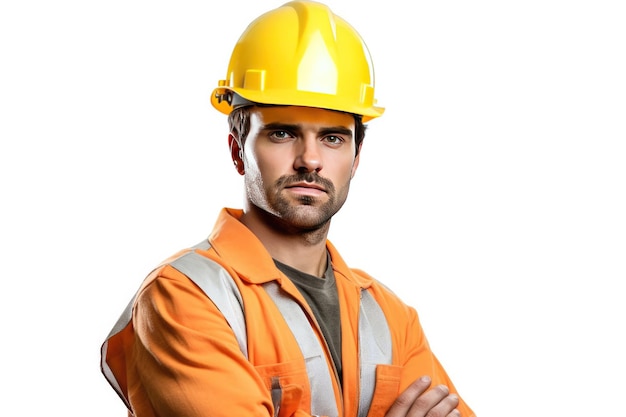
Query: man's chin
x,y
306,217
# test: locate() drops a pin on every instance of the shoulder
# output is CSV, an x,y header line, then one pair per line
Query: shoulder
x,y
379,289
188,267
388,300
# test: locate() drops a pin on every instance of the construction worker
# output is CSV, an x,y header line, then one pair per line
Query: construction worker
x,y
264,317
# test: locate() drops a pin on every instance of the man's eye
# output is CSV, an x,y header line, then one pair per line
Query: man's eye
x,y
280,134
333,139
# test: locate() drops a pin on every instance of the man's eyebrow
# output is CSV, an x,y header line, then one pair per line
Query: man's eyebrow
x,y
282,126
339,130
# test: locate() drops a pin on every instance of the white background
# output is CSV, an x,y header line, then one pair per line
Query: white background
x,y
491,195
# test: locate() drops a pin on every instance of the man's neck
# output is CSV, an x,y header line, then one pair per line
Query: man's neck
x,y
304,250
310,260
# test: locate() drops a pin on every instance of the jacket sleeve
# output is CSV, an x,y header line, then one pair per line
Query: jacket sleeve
x,y
411,348
186,360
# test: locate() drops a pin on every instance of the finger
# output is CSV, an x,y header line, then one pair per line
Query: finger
x,y
405,401
446,407
436,402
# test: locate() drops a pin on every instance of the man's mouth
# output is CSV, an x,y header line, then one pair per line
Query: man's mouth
x,y
306,186
307,189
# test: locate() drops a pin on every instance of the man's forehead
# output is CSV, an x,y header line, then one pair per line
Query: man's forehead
x,y
299,115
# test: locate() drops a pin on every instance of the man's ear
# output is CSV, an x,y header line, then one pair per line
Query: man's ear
x,y
236,153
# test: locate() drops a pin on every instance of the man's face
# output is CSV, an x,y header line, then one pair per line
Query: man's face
x,y
298,163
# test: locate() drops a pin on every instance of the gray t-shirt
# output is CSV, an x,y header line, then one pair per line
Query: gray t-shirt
x,y
321,295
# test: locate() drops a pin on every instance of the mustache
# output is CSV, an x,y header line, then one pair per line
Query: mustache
x,y
309,177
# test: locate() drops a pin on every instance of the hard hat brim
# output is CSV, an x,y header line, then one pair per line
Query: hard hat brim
x,y
292,98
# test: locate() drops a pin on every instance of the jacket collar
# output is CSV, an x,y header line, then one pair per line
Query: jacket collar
x,y
244,252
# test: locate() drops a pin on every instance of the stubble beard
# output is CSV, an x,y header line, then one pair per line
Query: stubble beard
x,y
305,215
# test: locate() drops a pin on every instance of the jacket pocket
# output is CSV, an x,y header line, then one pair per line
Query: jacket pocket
x,y
386,390
287,384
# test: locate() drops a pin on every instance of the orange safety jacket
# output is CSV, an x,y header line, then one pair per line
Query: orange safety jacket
x,y
224,340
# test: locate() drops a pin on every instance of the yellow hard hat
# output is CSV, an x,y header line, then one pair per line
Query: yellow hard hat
x,y
300,54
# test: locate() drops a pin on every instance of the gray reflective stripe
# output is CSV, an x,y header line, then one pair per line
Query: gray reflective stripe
x,y
218,285
322,394
374,346
106,370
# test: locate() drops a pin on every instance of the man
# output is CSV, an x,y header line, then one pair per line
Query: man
x,y
264,318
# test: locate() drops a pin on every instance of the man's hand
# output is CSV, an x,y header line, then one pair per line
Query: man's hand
x,y
420,401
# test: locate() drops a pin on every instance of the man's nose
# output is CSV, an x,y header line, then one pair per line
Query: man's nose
x,y
308,157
